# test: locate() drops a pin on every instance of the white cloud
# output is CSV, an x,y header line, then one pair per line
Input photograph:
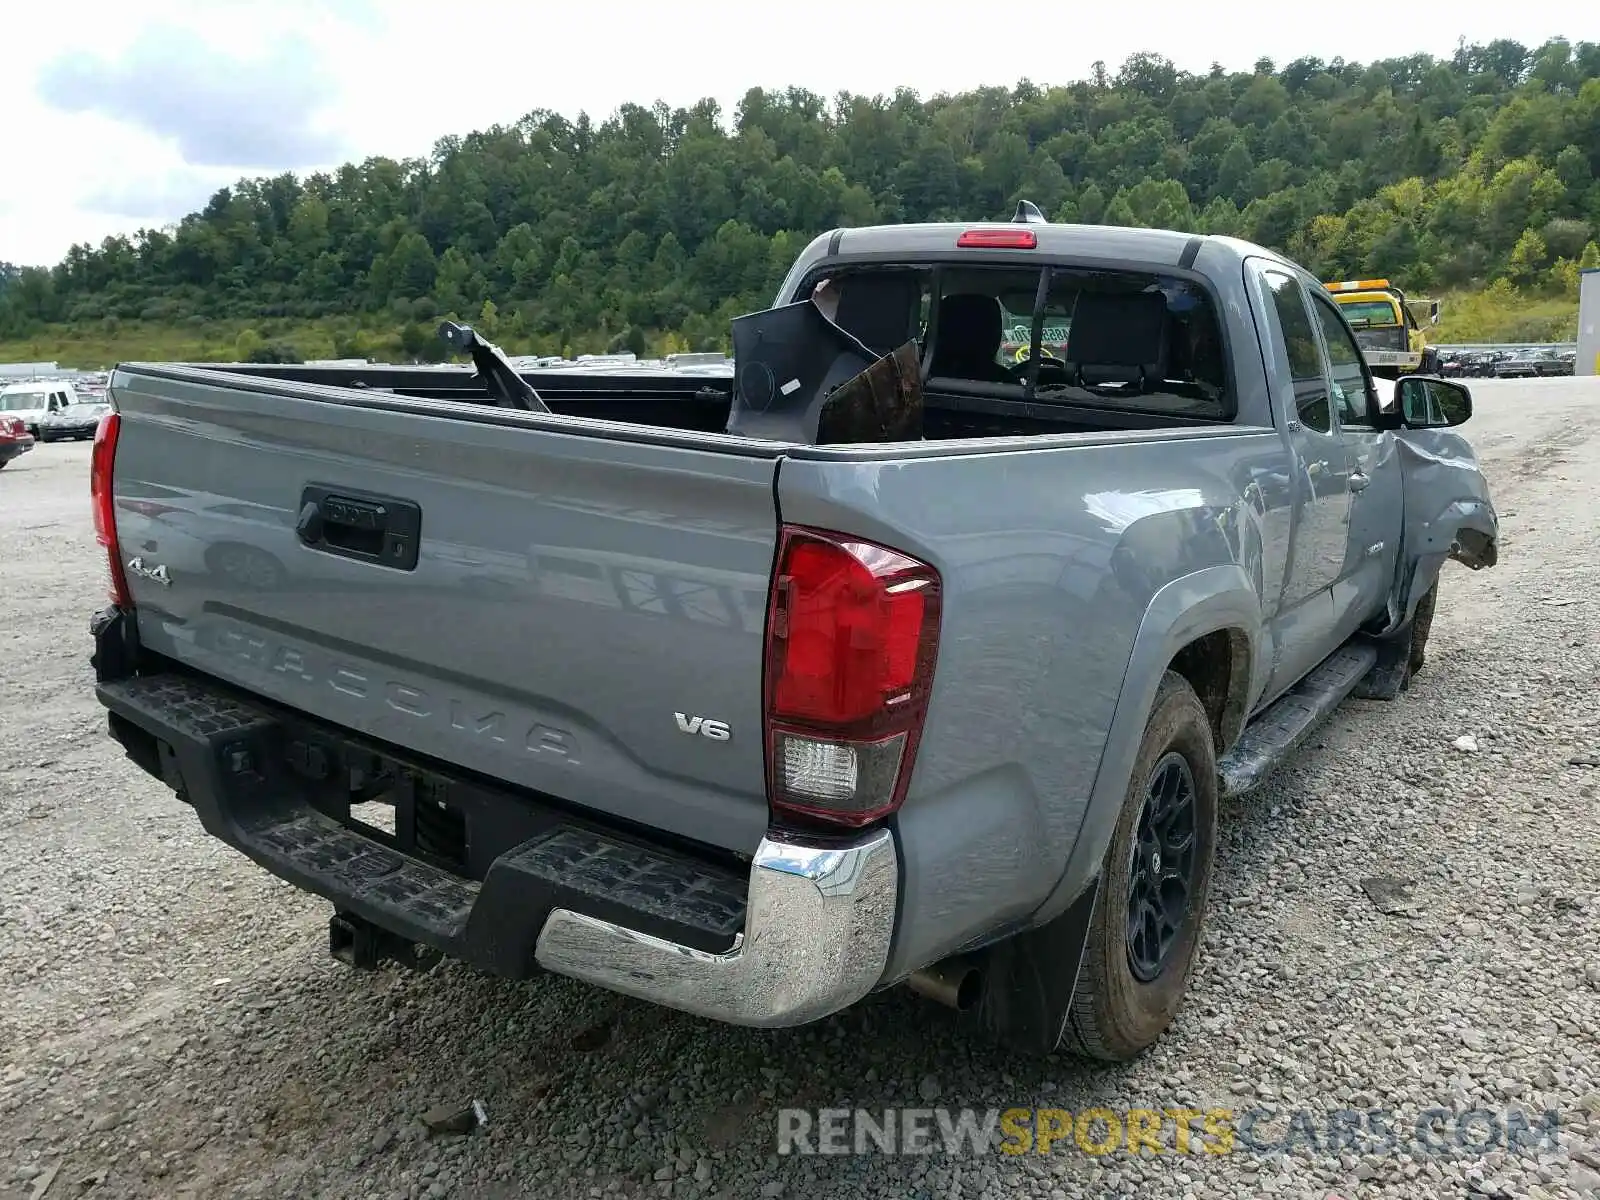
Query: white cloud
x,y
121,115
219,107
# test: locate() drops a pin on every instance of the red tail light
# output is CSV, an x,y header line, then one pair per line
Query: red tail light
x,y
852,635
998,239
105,515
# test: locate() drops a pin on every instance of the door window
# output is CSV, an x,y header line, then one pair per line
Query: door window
x,y
1305,360
1346,368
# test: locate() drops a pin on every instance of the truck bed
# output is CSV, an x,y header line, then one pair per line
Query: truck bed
x,y
697,403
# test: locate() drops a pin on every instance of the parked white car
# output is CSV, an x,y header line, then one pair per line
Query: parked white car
x,y
30,402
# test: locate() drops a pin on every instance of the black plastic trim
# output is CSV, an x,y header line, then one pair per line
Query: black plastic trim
x,y
116,653
277,787
1029,979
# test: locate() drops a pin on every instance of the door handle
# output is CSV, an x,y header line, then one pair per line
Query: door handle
x,y
382,530
1359,481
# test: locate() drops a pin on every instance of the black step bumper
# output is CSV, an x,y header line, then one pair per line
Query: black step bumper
x,y
514,883
241,766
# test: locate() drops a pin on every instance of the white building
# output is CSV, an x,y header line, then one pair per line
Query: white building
x,y
28,370
1588,323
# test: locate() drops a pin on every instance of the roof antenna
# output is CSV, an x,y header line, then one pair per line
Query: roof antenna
x,y
1028,214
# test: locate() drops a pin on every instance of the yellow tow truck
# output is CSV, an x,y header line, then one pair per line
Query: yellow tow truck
x,y
1388,327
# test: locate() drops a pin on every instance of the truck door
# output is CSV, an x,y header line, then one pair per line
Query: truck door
x,y
1320,534
1376,500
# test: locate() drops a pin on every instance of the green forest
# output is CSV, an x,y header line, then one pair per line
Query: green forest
x,y
1473,177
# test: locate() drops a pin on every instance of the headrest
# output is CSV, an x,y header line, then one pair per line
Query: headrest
x,y
878,308
1118,329
971,328
973,314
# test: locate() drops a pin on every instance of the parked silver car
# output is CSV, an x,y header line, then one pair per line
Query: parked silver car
x,y
74,422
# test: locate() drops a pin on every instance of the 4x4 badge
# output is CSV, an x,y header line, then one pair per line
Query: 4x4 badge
x,y
156,574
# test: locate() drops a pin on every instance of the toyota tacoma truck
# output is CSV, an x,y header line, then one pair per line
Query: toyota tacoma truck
x,y
709,692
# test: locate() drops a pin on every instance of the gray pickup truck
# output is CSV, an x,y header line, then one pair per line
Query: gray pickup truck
x,y
650,683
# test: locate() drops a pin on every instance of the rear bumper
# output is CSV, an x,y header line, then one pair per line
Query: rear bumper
x,y
14,447
816,939
1401,360
804,932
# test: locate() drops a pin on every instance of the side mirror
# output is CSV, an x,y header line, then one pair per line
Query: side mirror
x,y
1426,402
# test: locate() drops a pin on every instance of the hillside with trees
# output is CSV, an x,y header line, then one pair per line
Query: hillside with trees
x,y
650,230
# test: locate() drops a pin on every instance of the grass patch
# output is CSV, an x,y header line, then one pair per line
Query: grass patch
x,y
1501,314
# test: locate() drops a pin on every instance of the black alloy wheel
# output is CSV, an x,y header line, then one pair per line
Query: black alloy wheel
x,y
1161,867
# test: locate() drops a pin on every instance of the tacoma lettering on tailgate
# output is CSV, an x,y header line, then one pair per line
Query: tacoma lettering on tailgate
x,y
477,720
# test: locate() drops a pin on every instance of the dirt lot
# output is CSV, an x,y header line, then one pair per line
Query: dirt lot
x,y
171,1024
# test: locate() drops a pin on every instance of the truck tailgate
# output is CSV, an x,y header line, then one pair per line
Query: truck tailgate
x,y
584,616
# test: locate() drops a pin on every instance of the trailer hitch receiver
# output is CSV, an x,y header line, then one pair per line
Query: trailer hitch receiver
x,y
359,943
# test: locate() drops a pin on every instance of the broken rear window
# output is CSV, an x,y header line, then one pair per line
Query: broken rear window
x,y
1126,339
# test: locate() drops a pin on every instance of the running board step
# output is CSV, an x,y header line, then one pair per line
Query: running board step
x,y
1284,727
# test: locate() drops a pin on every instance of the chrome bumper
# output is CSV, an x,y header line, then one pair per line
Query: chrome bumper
x,y
816,939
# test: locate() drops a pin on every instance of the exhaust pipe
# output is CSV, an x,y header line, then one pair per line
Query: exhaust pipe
x,y
955,982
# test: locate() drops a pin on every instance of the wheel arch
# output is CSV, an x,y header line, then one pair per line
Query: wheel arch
x,y
1207,626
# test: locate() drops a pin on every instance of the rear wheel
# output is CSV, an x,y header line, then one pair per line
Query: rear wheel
x,y
1145,933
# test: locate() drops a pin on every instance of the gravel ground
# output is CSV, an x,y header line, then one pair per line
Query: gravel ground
x,y
173,1026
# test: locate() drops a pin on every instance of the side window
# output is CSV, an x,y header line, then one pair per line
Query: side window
x,y
1305,361
1345,365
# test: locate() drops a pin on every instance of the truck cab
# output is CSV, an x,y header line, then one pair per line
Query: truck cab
x,y
1386,326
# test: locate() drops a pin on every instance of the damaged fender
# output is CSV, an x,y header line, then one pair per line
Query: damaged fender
x,y
1448,512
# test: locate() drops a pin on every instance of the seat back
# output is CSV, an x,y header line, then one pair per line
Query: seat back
x,y
1119,338
968,336
879,308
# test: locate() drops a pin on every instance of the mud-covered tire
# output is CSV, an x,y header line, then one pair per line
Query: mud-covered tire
x,y
1115,1015
1421,623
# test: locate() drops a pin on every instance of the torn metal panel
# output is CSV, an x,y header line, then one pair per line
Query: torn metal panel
x,y
799,377
785,363
882,404
1448,512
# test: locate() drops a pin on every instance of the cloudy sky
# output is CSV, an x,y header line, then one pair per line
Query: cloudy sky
x,y
122,115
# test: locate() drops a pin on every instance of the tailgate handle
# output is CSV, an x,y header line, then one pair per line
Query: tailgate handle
x,y
383,530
